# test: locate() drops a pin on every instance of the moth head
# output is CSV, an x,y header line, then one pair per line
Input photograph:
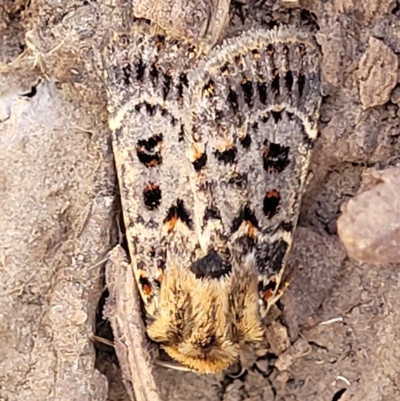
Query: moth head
x,y
204,322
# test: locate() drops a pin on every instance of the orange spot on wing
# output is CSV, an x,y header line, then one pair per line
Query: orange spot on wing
x,y
267,295
225,145
171,223
273,193
196,153
153,163
146,290
149,187
251,230
269,292
145,285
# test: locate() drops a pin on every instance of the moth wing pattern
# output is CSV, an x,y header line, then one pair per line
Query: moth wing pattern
x,y
146,77
255,105
211,154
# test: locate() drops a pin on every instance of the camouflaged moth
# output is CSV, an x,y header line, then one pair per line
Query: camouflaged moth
x,y
212,155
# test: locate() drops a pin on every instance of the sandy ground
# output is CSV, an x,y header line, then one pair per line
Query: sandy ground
x,y
334,335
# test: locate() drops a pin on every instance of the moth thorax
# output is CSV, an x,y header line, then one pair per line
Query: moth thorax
x,y
204,322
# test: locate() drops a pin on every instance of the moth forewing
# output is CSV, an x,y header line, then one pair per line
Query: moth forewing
x,y
255,104
147,76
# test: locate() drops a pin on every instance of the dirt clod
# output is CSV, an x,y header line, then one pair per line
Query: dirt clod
x,y
378,74
370,224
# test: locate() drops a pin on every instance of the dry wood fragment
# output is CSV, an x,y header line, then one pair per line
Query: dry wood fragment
x,y
199,22
123,311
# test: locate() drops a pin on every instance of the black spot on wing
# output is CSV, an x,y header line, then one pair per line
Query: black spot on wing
x,y
152,196
301,82
149,150
140,68
248,91
289,80
212,213
224,69
271,202
246,214
275,85
238,180
275,157
154,73
178,212
210,266
277,115
246,141
233,100
150,109
181,137
200,162
287,226
262,91
166,84
270,257
183,82
226,156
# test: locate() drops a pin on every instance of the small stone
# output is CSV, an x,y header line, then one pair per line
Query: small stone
x,y
278,337
395,97
369,226
377,74
263,366
296,351
234,391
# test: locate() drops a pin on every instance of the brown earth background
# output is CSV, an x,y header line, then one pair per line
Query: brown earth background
x,y
335,333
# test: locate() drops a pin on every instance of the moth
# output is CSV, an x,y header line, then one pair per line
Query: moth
x,y
212,154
